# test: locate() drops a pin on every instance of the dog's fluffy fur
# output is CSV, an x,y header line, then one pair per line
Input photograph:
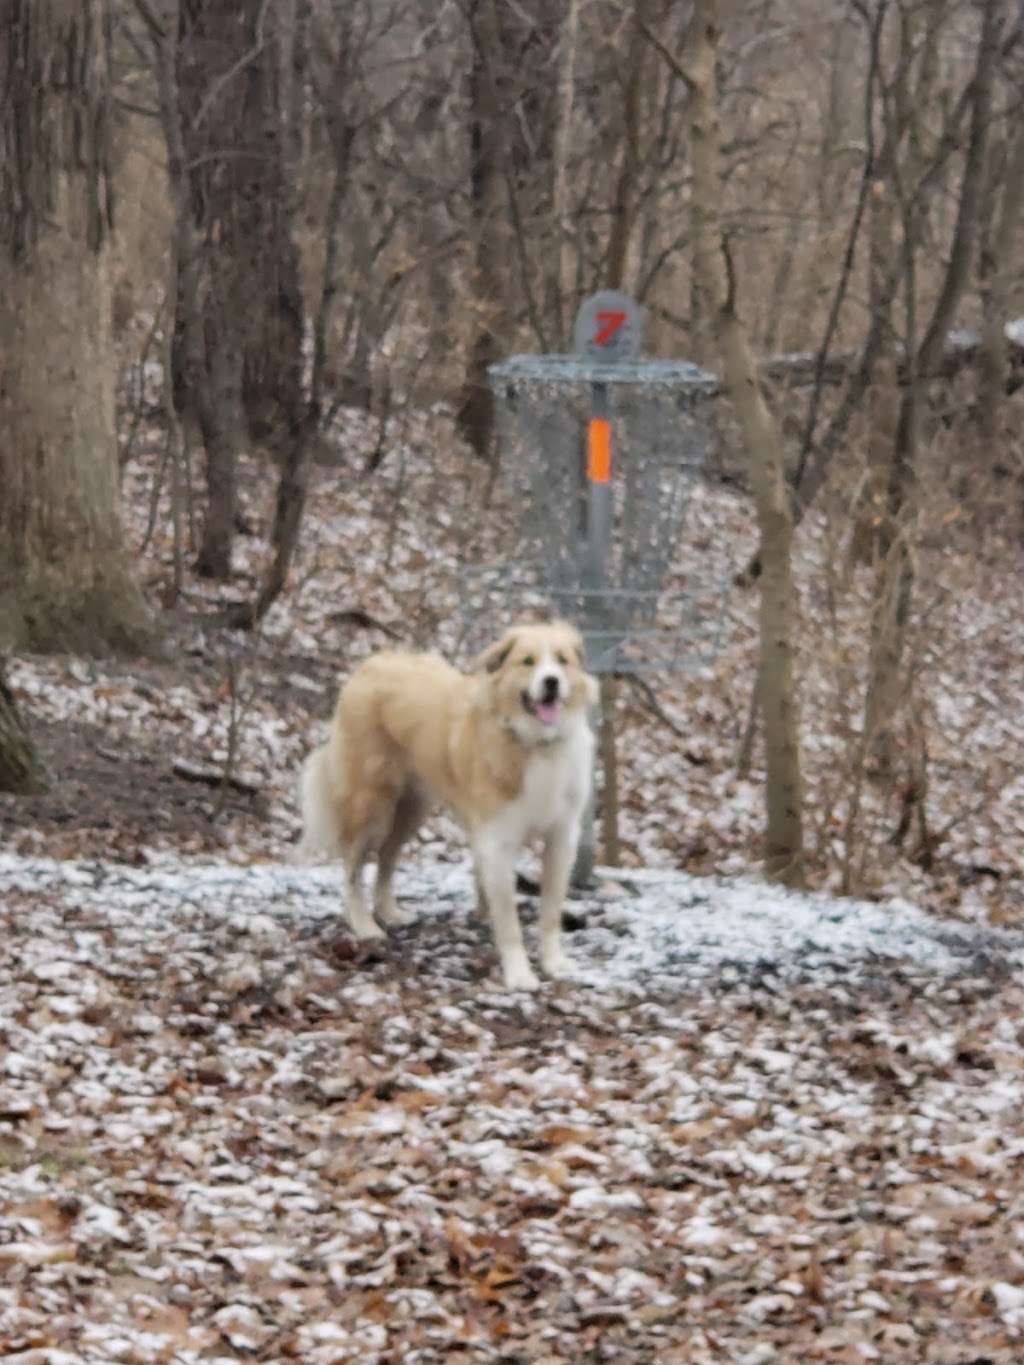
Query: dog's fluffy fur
x,y
508,749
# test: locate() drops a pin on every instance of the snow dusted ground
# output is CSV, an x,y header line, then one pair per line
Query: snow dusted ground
x,y
755,1127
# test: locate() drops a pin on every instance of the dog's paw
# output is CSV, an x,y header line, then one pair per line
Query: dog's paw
x,y
556,964
366,928
394,917
520,976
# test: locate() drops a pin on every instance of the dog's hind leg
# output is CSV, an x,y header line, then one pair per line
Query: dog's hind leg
x,y
410,812
356,855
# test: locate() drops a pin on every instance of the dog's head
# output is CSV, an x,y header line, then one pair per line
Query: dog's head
x,y
537,679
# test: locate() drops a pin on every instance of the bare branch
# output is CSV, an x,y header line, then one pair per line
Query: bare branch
x,y
246,59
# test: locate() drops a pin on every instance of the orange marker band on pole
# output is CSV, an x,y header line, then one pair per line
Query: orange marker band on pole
x,y
599,450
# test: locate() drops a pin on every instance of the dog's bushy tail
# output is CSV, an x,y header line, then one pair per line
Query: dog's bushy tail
x,y
319,821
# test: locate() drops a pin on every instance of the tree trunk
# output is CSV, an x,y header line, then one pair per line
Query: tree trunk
x,y
288,509
560,266
228,78
206,395
210,59
205,96
296,420
20,769
624,199
998,271
218,404
273,320
609,772
65,581
475,416
783,854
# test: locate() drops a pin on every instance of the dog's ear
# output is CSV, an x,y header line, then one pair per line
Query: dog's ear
x,y
495,655
575,642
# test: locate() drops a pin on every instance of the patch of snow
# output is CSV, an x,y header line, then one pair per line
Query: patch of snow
x,y
666,931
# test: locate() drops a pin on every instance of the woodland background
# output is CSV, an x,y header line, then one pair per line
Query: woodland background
x,y
255,258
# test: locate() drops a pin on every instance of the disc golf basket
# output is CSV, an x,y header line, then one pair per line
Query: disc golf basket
x,y
601,450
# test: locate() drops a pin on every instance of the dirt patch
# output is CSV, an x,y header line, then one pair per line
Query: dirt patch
x,y
109,800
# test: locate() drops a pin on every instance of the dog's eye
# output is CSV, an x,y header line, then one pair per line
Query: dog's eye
x,y
561,658
529,661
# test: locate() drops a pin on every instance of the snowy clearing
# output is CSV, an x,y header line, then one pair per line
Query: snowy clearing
x,y
757,1127
642,931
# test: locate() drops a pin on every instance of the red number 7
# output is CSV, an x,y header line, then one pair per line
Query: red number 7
x,y
610,324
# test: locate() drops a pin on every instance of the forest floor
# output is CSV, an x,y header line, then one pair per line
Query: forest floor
x,y
752,1127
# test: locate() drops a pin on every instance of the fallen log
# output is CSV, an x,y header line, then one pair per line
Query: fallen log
x,y
215,777
961,352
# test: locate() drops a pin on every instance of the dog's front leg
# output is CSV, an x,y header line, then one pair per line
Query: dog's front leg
x,y
559,856
496,876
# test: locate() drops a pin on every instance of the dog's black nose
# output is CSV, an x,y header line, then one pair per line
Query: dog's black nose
x,y
549,689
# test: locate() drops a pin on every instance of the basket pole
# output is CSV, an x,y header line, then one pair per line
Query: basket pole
x,y
600,463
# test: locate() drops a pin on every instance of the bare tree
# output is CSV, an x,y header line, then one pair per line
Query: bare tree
x,y
229,81
783,856
488,63
896,582
560,286
914,127
65,580
207,51
274,319
1000,219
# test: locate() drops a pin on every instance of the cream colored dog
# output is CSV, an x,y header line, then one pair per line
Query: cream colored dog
x,y
508,749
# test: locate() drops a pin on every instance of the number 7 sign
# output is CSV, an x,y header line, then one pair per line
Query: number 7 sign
x,y
608,328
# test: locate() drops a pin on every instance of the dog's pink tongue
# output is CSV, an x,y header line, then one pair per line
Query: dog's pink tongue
x,y
548,711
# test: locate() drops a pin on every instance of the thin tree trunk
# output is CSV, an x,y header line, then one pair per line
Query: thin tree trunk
x,y
616,265
288,509
624,199
783,854
219,82
219,402
295,466
610,773
998,270
475,416
562,256
274,320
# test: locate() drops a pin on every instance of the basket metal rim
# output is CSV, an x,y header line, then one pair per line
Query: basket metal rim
x,y
543,369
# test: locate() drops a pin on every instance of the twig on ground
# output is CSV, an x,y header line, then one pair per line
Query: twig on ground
x,y
215,777
649,699
356,616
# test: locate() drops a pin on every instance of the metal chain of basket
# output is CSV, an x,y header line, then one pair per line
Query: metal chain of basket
x,y
601,450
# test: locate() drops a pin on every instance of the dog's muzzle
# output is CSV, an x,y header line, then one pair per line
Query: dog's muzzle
x,y
547,705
